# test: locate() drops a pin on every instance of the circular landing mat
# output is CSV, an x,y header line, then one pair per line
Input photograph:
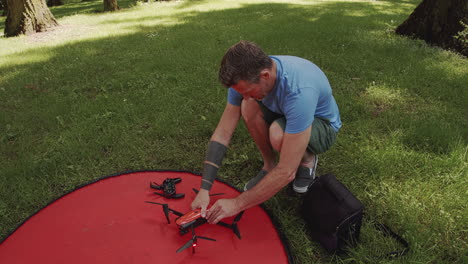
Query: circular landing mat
x,y
108,222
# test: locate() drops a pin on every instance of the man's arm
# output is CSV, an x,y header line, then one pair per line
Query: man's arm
x,y
218,145
292,151
227,124
220,139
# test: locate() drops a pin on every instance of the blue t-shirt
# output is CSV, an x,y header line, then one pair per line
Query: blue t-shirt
x,y
301,93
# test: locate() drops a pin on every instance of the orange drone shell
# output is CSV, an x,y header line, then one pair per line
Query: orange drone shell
x,y
189,217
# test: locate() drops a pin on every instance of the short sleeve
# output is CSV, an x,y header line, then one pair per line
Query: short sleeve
x,y
300,110
234,97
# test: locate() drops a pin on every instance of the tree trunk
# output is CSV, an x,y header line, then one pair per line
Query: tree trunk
x,y
439,22
27,17
54,2
110,5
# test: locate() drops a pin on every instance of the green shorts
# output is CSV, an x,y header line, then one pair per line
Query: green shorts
x,y
323,134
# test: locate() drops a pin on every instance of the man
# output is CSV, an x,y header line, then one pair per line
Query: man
x,y
288,106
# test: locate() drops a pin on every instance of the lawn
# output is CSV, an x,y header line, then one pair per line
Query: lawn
x,y
137,89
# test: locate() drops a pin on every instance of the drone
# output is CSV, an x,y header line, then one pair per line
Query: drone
x,y
168,187
189,221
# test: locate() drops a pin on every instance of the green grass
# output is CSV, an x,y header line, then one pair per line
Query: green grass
x,y
137,89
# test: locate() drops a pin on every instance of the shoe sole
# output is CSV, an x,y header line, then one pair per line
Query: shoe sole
x,y
300,189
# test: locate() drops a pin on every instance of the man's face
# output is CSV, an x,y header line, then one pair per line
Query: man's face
x,y
248,90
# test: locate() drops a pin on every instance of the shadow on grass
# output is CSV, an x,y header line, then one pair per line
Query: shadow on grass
x,y
151,97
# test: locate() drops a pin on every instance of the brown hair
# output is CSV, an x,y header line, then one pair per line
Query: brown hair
x,y
243,61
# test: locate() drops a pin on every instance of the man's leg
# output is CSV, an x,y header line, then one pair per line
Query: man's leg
x,y
258,129
308,160
321,139
276,137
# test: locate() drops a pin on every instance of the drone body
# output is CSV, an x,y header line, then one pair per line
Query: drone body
x,y
193,219
169,188
190,219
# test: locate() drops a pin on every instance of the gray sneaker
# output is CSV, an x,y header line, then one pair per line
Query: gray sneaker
x,y
255,180
304,177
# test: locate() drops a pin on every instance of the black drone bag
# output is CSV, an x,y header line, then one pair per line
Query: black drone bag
x,y
333,214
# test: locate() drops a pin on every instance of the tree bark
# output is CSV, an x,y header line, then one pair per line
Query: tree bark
x,y
54,2
27,17
110,5
439,22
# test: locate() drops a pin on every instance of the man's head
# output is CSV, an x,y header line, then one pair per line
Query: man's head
x,y
243,61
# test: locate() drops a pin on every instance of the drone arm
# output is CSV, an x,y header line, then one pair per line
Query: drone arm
x,y
156,186
176,180
178,195
175,212
160,194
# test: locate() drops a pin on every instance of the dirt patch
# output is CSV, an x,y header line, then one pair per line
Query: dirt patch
x,y
61,32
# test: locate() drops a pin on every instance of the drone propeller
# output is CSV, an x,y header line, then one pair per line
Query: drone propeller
x,y
193,242
214,194
238,217
187,245
233,226
173,196
166,210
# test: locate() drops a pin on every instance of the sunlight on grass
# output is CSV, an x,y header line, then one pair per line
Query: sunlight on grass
x,y
384,96
416,188
22,58
454,69
124,23
437,217
91,26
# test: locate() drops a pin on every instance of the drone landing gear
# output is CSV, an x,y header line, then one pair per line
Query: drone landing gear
x,y
193,242
185,229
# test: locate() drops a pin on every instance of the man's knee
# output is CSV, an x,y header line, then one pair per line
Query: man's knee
x,y
249,110
276,136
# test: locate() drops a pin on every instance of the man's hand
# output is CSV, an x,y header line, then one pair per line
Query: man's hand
x,y
201,201
221,209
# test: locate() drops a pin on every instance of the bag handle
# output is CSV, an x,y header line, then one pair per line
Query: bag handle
x,y
388,232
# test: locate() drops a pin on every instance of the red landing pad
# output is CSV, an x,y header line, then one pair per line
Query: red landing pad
x,y
108,222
